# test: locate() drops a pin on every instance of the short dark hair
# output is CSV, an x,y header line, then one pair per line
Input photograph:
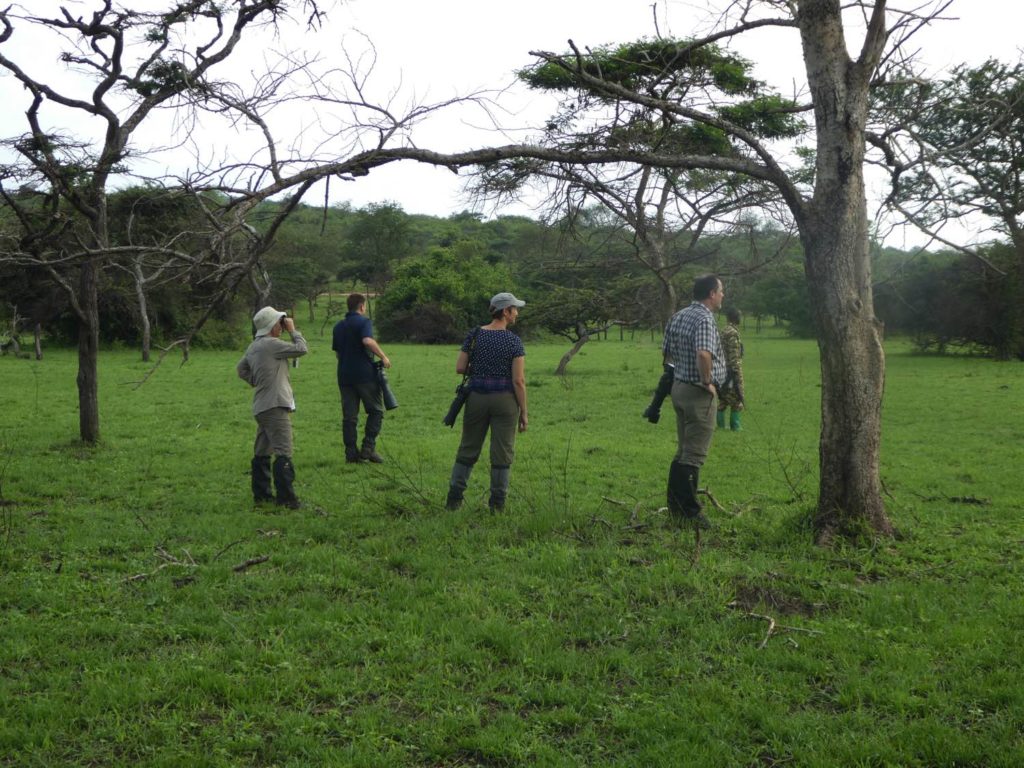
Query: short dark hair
x,y
704,286
733,315
355,301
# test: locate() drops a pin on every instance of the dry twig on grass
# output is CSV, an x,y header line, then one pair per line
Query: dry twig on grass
x,y
712,499
634,524
250,563
169,561
225,549
773,626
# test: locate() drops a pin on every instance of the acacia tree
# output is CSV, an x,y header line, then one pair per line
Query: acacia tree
x,y
662,212
830,213
955,148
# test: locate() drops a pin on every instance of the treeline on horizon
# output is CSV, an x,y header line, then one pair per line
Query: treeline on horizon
x,y
427,277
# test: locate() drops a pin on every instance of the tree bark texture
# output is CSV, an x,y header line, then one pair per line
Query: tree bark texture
x,y
568,356
834,232
141,300
88,354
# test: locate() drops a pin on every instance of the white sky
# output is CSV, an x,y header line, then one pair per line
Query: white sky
x,y
432,42
432,50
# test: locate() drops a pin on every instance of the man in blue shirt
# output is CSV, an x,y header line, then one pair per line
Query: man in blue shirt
x,y
693,345
358,380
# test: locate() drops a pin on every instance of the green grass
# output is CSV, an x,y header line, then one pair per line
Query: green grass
x,y
577,628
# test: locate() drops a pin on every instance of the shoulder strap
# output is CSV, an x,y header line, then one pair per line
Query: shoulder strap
x,y
472,346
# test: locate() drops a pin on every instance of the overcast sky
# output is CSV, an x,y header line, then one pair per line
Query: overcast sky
x,y
448,46
433,50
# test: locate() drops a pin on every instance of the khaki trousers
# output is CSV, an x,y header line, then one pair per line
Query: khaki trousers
x,y
695,422
273,433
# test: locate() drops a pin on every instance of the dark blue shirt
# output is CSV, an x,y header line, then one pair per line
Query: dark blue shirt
x,y
355,364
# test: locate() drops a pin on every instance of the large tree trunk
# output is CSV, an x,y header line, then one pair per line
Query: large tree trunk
x,y
852,379
1016,295
88,355
834,232
669,301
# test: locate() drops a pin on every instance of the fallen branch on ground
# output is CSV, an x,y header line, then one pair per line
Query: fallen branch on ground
x,y
712,499
250,563
169,561
773,626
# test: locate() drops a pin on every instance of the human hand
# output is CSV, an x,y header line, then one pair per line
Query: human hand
x,y
523,422
288,323
385,361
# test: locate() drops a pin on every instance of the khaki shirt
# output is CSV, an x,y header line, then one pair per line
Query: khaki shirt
x,y
265,367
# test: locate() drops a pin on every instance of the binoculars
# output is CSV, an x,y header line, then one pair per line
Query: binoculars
x,y
390,401
653,411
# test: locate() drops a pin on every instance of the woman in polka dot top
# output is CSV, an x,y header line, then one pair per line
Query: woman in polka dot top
x,y
494,358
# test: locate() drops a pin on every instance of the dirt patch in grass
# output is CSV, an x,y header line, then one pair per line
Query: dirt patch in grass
x,y
777,597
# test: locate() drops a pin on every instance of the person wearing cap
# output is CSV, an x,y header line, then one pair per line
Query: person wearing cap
x,y
358,381
494,358
265,367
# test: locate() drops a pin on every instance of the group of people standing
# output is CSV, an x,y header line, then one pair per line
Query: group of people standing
x,y
491,358
707,380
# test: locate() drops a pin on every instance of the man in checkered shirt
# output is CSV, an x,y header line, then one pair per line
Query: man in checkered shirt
x,y
692,344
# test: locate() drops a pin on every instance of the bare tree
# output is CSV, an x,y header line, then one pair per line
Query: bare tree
x,y
125,73
662,213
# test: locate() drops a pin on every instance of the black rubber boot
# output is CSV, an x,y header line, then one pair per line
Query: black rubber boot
x,y
261,488
500,477
682,495
457,485
284,479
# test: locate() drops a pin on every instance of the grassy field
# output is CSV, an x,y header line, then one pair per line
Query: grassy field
x,y
577,628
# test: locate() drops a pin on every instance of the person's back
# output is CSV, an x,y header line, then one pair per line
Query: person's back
x,y
354,364
266,363
493,353
359,380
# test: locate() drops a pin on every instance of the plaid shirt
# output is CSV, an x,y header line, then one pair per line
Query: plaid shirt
x,y
691,329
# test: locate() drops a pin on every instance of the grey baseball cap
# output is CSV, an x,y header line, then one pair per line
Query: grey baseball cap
x,y
503,300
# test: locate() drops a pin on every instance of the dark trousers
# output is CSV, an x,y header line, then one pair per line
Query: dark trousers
x,y
497,412
369,395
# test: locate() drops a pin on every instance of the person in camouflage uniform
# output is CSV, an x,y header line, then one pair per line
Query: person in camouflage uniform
x,y
731,395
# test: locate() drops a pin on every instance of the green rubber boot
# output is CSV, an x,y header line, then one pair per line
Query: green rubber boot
x,y
720,419
734,421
